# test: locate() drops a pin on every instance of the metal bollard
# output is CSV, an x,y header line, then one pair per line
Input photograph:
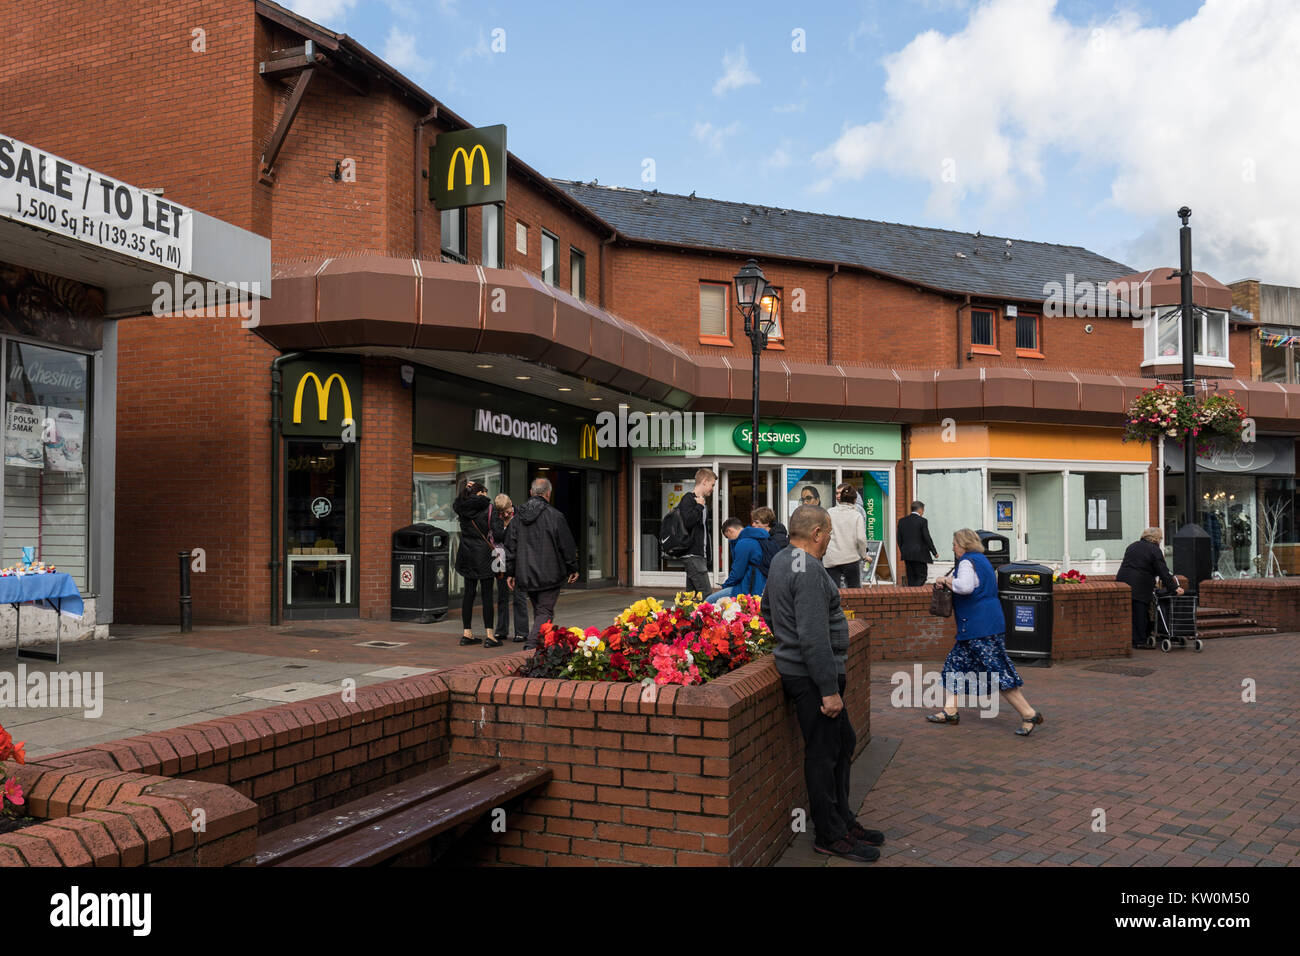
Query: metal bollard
x,y
187,612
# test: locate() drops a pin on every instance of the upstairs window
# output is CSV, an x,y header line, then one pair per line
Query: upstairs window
x,y
577,274
493,239
713,313
550,257
1164,336
981,329
1028,328
453,235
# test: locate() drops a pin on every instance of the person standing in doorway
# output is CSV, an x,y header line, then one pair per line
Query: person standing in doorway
x,y
474,558
507,599
848,545
695,518
541,556
802,605
916,545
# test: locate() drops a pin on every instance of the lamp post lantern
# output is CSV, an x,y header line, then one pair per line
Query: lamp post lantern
x,y
760,305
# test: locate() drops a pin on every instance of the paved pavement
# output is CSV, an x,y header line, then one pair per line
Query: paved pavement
x,y
1161,749
1184,771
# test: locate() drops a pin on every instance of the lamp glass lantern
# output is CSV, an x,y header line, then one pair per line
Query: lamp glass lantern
x,y
749,283
769,311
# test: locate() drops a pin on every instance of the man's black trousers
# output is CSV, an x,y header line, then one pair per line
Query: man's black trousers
x,y
828,755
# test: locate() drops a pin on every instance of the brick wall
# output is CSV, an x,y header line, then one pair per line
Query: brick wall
x,y
1273,602
1089,620
385,498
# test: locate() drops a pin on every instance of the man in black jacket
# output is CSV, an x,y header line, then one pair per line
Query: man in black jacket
x,y
695,518
540,555
1144,561
915,545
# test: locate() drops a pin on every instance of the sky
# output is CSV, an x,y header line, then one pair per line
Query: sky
x,y
1081,122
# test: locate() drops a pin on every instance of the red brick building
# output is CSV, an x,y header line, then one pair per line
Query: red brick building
x,y
914,361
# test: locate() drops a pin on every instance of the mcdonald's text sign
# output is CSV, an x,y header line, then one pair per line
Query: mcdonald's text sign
x,y
468,168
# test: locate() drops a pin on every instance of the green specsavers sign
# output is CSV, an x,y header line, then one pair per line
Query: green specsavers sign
x,y
781,437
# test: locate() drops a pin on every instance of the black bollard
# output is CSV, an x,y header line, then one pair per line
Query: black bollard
x,y
187,613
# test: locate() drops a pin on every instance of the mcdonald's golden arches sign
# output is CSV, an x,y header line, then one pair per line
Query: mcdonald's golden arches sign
x,y
318,397
588,448
468,168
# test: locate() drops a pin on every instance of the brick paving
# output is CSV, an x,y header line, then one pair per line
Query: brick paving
x,y
1186,773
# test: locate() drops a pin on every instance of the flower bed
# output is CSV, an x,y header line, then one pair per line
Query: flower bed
x,y
691,642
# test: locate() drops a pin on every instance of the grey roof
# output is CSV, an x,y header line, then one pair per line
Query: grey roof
x,y
959,262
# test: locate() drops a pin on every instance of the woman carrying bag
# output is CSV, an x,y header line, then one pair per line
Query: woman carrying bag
x,y
474,558
980,648
848,547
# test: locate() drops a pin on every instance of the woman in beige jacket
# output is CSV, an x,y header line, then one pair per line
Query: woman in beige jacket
x,y
848,540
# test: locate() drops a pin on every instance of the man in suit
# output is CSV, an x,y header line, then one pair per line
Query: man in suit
x,y
915,544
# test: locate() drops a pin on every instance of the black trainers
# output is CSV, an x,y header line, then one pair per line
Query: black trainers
x,y
862,835
847,848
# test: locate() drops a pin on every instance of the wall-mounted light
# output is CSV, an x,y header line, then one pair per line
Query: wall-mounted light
x,y
1012,312
337,175
408,375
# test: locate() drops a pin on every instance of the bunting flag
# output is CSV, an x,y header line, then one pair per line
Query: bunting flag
x,y
1279,340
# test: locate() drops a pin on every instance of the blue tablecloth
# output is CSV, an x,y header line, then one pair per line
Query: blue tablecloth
x,y
56,590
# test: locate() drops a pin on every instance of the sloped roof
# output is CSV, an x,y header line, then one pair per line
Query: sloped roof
x,y
960,262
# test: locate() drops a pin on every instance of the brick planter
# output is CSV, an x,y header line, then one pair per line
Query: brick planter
x,y
1092,619
1273,602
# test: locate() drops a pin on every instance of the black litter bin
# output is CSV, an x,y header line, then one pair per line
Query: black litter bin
x,y
421,559
1026,594
996,547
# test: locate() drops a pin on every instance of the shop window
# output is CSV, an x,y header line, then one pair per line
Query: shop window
x,y
1279,363
660,490
577,274
954,498
493,239
437,477
1027,335
809,487
1104,514
981,330
47,457
453,235
714,313
550,258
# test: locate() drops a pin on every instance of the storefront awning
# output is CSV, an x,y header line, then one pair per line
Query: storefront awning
x,y
65,219
414,304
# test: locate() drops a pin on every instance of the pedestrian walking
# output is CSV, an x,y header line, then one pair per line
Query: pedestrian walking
x,y
802,605
848,545
915,544
695,517
980,648
747,575
1144,561
508,598
541,556
473,508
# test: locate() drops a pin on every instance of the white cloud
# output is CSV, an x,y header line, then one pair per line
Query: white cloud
x,y
778,159
401,50
735,73
1191,114
713,136
325,12
481,48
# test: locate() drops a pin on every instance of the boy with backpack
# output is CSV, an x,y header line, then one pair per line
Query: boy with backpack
x,y
748,571
684,533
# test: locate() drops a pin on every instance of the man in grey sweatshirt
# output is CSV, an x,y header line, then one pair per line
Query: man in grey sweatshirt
x,y
802,604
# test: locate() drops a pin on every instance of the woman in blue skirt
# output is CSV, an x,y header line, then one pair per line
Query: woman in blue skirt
x,y
980,648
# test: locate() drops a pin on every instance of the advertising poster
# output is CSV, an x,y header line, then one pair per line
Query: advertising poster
x,y
1006,515
673,492
23,427
65,452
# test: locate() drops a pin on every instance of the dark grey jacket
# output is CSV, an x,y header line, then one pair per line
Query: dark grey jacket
x,y
540,553
802,606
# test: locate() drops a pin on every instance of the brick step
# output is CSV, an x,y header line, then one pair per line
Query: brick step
x,y
1209,612
1243,631
1226,622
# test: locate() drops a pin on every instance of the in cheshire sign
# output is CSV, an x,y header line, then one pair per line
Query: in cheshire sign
x,y
783,438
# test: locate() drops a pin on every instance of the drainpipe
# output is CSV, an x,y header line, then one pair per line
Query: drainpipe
x,y
630,485
421,191
830,326
277,402
966,305
613,236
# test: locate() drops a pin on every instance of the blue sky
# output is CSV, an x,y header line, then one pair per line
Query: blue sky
x,y
1075,121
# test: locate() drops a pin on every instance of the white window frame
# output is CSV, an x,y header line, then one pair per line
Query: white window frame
x,y
1151,338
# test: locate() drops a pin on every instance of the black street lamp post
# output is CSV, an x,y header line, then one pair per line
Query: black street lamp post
x,y
1191,543
760,305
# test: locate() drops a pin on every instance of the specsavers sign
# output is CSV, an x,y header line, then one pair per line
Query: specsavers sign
x,y
847,441
48,192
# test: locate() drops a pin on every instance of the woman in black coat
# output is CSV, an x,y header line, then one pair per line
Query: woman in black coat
x,y
1144,561
474,557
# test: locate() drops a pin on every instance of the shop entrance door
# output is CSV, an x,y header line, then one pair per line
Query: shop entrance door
x,y
1008,509
319,524
568,494
738,501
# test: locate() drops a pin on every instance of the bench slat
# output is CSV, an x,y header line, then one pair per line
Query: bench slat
x,y
273,848
387,837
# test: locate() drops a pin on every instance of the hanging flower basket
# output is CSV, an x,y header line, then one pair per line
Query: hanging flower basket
x,y
1163,411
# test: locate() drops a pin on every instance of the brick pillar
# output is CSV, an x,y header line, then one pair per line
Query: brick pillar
x,y
385,433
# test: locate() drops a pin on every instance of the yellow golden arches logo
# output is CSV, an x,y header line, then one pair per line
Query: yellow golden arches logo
x,y
322,396
468,158
589,448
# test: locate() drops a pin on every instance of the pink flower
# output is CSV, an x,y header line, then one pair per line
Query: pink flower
x,y
14,792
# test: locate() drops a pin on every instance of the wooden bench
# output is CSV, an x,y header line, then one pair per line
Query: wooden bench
x,y
390,822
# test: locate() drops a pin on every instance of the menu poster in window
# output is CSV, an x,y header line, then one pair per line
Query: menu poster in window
x,y
64,453
23,427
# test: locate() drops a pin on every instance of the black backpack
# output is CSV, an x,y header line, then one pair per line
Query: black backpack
x,y
674,539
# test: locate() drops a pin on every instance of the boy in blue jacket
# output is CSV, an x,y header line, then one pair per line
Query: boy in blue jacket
x,y
746,575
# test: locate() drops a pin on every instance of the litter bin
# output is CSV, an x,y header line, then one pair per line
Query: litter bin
x,y
1026,594
421,559
996,547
